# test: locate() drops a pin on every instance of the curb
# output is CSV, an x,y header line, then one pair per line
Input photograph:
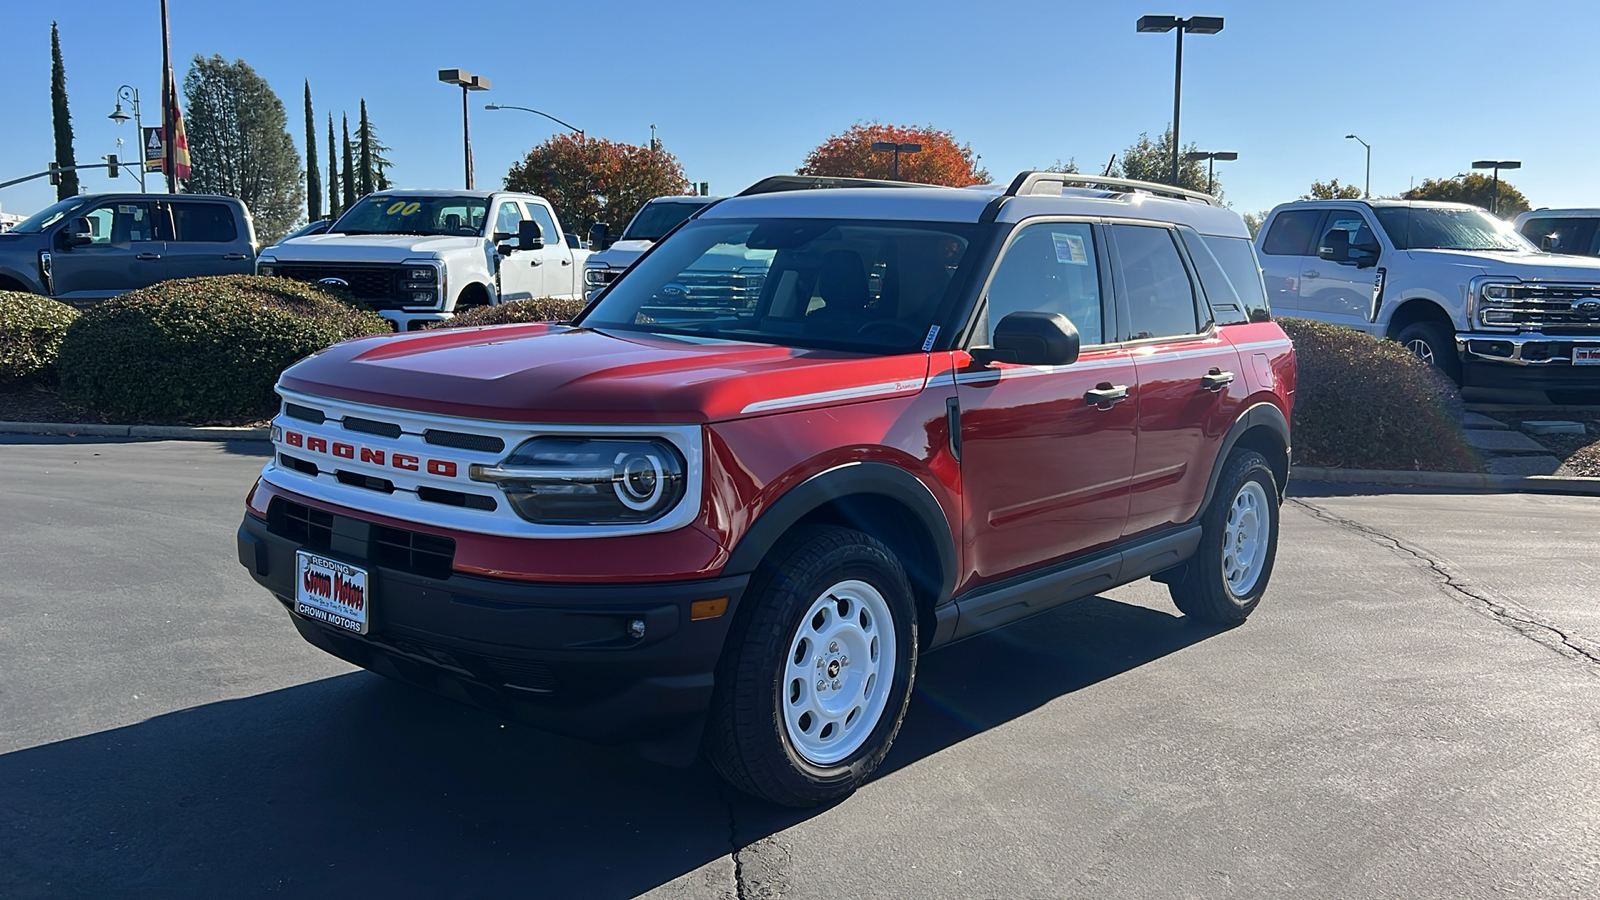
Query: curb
x,y
149,432
1530,484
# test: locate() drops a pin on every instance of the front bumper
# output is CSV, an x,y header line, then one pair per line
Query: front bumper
x,y
556,656
1533,361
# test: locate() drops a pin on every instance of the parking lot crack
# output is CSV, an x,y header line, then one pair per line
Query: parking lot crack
x,y
1461,588
760,866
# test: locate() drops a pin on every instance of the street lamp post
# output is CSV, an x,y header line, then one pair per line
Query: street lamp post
x,y
1196,25
896,149
536,112
468,82
1211,157
131,94
1368,192
1497,165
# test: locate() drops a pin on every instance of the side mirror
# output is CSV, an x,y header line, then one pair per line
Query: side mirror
x,y
1335,246
599,236
529,237
1032,339
1549,243
80,231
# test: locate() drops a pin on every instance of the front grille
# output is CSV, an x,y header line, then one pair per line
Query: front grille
x,y
456,498
1550,308
368,426
377,286
304,413
484,443
393,548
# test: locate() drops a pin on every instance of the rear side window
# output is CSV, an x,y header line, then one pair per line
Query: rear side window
x,y
1292,233
1050,267
1226,307
1238,260
207,223
1573,235
1161,301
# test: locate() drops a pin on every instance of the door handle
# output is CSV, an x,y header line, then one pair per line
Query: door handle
x,y
1216,380
566,262
235,256
535,261
148,256
1106,395
1310,274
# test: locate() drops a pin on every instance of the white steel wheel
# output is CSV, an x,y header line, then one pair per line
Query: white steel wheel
x,y
838,673
1244,544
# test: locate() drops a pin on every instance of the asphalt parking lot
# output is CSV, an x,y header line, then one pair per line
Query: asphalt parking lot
x,y
1414,712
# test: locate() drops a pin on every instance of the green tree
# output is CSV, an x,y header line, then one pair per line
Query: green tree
x,y
61,117
334,209
364,134
239,143
1254,221
1331,190
1147,160
1472,188
594,180
1070,167
349,167
313,170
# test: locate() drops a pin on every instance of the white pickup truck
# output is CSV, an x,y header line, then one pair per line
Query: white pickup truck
x,y
419,256
653,220
1459,287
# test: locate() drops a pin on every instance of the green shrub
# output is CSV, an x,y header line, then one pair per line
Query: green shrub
x,y
201,349
543,309
1365,403
31,330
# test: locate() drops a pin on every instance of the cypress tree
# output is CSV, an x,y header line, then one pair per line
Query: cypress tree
x,y
366,151
349,174
334,209
313,171
62,118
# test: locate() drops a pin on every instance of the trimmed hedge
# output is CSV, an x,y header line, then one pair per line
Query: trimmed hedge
x,y
1365,403
542,309
31,330
201,349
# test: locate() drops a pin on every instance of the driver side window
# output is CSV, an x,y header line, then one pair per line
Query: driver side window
x,y
120,223
1361,234
1050,267
508,218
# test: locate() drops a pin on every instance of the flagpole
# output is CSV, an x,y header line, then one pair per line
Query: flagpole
x,y
169,92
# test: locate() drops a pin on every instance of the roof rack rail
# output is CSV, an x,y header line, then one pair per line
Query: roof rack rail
x,y
778,183
1027,183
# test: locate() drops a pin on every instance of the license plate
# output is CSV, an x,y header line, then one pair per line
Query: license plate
x,y
331,591
1586,355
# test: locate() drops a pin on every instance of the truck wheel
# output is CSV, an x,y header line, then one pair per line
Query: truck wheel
x,y
1223,582
1434,344
816,676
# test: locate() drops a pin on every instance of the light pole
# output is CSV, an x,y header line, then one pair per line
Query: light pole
x,y
468,82
131,94
1368,192
538,113
1196,25
896,149
1211,157
1497,165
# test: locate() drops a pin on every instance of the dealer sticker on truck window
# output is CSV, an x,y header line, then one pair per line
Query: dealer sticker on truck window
x,y
331,591
1586,354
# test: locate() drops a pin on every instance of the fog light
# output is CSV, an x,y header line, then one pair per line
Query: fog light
x,y
422,297
636,629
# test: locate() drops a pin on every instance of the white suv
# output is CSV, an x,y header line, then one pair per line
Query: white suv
x,y
1460,288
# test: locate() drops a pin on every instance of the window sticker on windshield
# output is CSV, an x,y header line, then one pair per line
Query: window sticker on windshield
x,y
928,344
1070,249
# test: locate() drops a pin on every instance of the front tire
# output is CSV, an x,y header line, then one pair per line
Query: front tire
x,y
1223,582
817,673
1434,344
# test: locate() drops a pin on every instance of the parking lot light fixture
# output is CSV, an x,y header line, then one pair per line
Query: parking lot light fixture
x,y
896,149
1367,192
1497,165
1194,25
468,82
574,128
131,94
1211,157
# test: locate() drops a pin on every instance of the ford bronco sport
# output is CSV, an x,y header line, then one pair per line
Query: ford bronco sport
x,y
727,517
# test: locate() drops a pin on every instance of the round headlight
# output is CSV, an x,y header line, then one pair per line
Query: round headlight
x,y
589,481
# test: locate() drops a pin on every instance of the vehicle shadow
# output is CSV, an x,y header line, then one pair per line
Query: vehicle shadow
x,y
354,786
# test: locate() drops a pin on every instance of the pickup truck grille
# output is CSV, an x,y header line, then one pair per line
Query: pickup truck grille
x,y
1548,308
377,286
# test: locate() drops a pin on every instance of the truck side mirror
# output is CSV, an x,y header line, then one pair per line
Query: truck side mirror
x,y
1335,246
1549,243
1032,338
599,236
529,237
80,231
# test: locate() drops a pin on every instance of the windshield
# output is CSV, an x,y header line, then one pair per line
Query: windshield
x,y
659,217
410,214
872,287
48,216
1425,228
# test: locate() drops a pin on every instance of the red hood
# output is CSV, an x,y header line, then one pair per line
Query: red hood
x,y
552,373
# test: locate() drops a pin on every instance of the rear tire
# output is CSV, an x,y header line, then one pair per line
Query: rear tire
x,y
1223,582
817,672
1434,344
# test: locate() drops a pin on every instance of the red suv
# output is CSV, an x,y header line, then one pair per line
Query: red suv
x,y
807,437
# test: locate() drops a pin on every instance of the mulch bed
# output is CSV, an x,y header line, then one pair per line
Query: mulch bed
x,y
1579,453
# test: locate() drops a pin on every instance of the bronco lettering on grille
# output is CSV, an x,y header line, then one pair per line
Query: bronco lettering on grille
x,y
443,468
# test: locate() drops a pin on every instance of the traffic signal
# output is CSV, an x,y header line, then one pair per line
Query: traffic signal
x,y
55,174
111,165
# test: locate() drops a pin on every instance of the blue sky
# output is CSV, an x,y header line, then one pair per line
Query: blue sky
x,y
740,90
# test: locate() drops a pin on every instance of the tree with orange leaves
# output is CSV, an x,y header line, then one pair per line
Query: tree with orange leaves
x,y
941,160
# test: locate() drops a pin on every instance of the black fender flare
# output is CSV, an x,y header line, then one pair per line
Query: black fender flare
x,y
1261,414
856,478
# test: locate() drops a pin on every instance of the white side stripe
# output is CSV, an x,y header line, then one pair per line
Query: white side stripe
x,y
855,393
